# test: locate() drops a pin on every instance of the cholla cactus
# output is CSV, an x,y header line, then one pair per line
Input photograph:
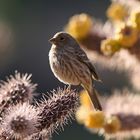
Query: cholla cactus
x,y
91,34
117,11
76,23
20,120
120,117
57,111
16,89
124,105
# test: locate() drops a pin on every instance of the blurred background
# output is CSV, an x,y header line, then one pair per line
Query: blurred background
x,y
26,26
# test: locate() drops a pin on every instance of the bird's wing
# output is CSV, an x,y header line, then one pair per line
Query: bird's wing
x,y
81,56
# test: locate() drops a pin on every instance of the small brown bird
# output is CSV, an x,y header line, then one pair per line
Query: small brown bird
x,y
71,65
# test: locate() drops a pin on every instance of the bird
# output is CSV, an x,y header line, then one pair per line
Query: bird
x,y
70,65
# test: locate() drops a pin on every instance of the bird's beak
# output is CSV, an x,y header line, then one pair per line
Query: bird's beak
x,y
52,40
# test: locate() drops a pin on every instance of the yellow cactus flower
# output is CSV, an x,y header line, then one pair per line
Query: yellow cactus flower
x,y
126,35
95,119
79,26
85,100
116,11
112,125
81,114
110,46
135,19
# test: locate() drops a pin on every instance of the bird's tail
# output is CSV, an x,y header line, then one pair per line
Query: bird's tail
x,y
94,99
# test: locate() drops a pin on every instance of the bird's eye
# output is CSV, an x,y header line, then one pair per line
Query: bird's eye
x,y
62,38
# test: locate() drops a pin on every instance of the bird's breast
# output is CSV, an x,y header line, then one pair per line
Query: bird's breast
x,y
62,68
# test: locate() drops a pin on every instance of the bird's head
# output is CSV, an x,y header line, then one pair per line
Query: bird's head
x,y
62,39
